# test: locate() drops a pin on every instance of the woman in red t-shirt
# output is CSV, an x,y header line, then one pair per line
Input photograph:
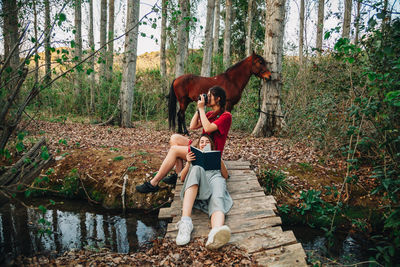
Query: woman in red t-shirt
x,y
216,123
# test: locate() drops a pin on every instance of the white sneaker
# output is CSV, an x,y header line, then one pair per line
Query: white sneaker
x,y
185,229
218,237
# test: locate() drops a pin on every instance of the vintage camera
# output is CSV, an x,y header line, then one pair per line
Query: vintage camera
x,y
205,98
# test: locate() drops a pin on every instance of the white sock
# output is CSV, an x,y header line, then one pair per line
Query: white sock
x,y
186,218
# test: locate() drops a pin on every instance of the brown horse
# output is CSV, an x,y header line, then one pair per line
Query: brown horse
x,y
188,87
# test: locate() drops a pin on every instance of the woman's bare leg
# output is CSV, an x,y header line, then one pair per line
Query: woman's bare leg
x,y
217,219
174,153
178,140
188,200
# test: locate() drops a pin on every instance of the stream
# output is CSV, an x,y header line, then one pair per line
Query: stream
x,y
73,224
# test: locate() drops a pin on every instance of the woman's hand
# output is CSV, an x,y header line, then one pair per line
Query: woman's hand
x,y
201,103
190,156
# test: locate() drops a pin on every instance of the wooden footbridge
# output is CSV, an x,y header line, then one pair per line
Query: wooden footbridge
x,y
252,219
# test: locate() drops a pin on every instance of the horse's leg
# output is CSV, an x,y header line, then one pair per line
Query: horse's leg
x,y
181,121
181,116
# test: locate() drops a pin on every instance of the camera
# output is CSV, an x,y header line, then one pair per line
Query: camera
x,y
205,98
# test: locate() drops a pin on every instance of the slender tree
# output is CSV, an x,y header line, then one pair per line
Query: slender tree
x,y
357,22
227,34
47,44
248,27
180,55
92,48
103,38
301,33
78,47
320,24
110,50
130,56
207,51
270,119
347,18
216,27
35,26
163,58
187,31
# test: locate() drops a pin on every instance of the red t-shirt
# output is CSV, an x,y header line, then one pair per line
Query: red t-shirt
x,y
223,122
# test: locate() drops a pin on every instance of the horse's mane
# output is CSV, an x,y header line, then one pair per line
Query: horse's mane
x,y
240,62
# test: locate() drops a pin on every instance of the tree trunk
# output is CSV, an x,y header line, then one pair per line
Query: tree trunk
x,y
270,120
320,25
187,31
301,34
207,51
130,56
163,59
35,26
227,34
180,55
47,53
11,35
248,27
92,48
78,50
347,19
110,50
357,26
216,27
103,37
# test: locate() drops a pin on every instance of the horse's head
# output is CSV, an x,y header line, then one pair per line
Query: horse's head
x,y
259,67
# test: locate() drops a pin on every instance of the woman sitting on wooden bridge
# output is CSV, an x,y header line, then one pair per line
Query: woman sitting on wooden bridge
x,y
216,123
205,190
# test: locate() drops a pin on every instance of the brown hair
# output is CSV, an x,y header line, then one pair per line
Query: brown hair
x,y
197,142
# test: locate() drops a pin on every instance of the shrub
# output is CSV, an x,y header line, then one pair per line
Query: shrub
x,y
275,182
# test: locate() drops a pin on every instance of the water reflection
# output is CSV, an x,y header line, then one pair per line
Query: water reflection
x,y
345,249
73,225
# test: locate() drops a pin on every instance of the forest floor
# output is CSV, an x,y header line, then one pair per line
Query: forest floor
x,y
107,151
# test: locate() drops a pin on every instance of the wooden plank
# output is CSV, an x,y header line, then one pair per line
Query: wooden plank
x,y
238,196
240,172
229,163
239,207
288,256
239,178
202,229
235,187
164,213
258,240
198,215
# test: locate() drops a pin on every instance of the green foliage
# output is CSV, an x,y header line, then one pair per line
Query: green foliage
x,y
70,185
118,158
314,210
245,114
132,168
44,226
275,182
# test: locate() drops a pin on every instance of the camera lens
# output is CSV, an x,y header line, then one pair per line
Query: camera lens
x,y
205,98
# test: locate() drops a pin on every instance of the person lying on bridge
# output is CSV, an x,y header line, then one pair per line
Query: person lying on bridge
x,y
216,123
207,191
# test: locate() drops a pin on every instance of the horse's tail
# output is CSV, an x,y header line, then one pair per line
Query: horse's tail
x,y
172,107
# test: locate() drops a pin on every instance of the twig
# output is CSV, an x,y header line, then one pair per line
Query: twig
x,y
123,193
157,207
10,197
84,189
